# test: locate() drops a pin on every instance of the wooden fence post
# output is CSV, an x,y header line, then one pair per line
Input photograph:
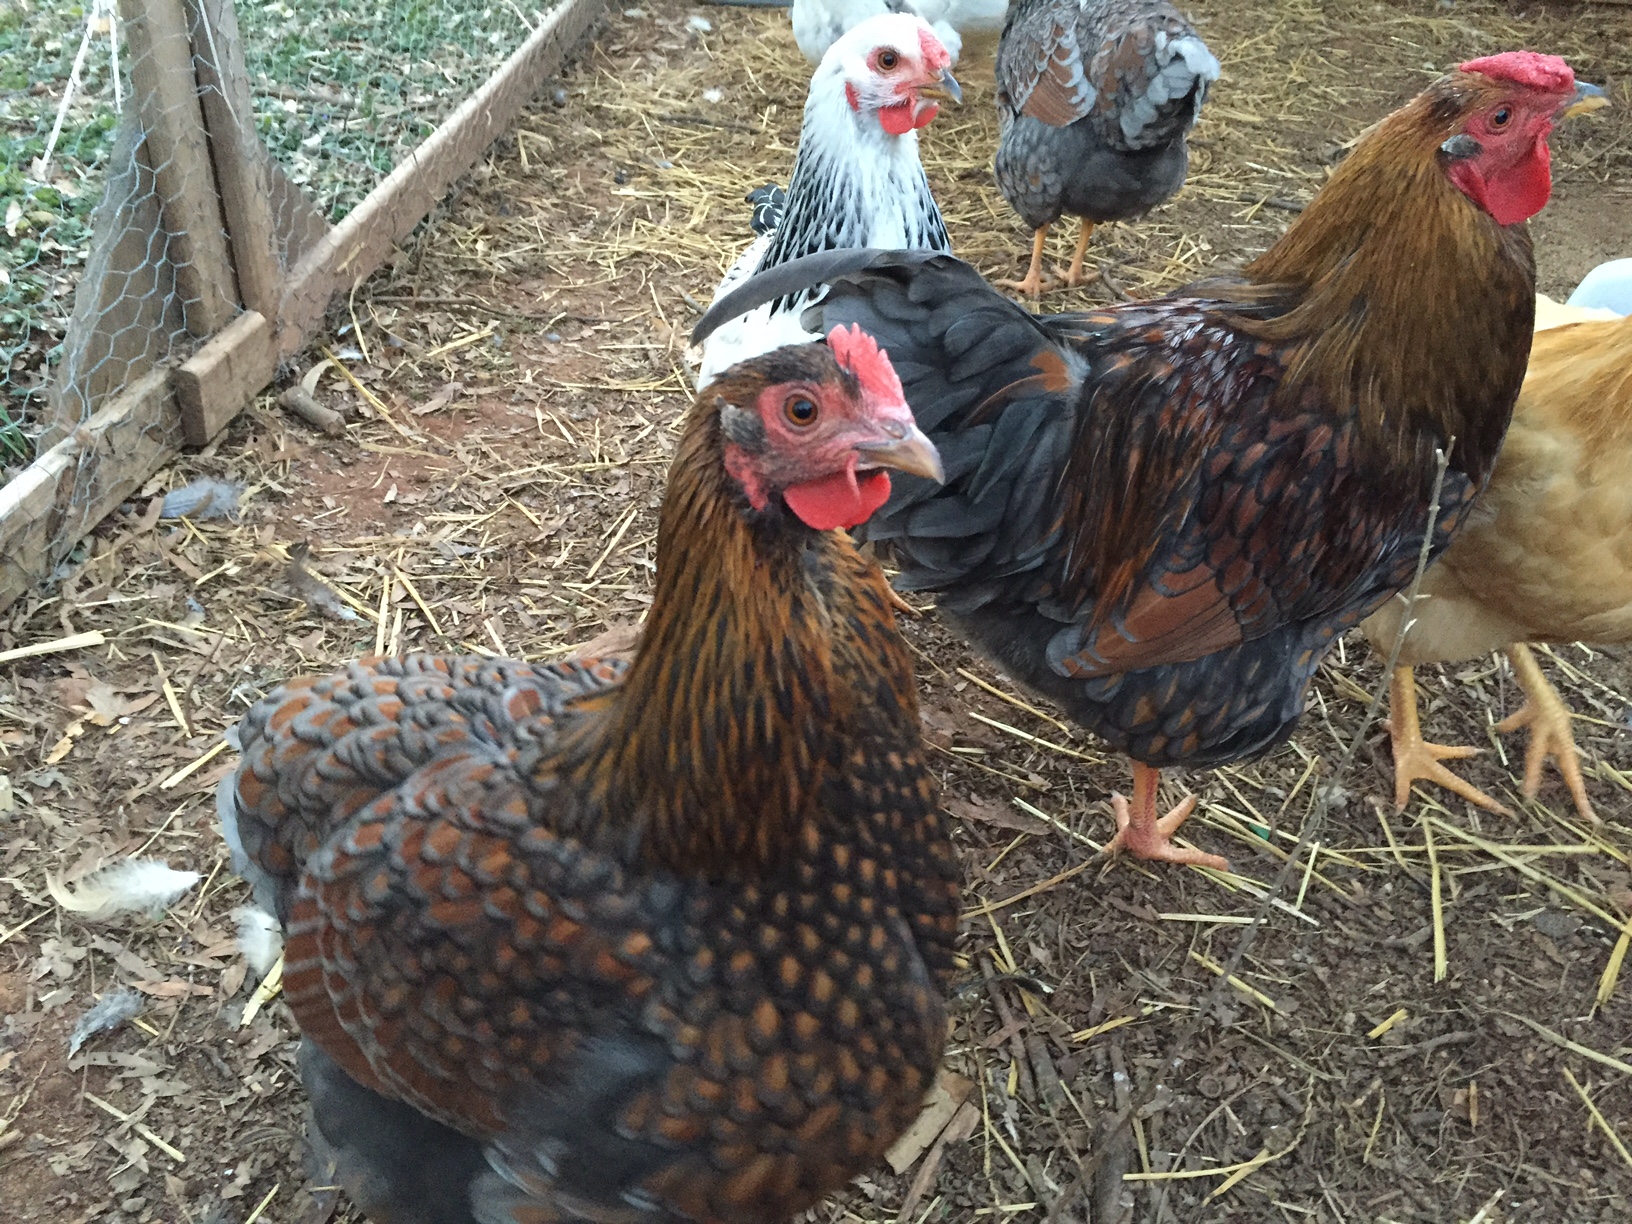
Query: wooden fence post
x,y
214,384
177,151
235,149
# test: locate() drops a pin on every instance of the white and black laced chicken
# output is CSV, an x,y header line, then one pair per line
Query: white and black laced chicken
x,y
857,180
1095,99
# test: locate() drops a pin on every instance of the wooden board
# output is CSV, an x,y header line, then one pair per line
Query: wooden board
x,y
216,383
297,225
236,152
51,504
360,243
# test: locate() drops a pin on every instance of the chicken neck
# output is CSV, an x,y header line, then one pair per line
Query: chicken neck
x,y
1401,301
853,185
769,652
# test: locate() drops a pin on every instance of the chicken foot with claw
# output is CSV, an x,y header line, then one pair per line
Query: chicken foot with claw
x,y
1145,836
1415,758
1548,718
1035,282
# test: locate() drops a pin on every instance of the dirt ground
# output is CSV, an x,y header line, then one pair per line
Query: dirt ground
x,y
513,386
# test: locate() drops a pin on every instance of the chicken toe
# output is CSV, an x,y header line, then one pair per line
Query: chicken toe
x,y
1074,277
1548,718
1415,759
1144,835
1035,282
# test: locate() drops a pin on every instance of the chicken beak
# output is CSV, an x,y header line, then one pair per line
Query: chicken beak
x,y
904,448
946,89
1587,99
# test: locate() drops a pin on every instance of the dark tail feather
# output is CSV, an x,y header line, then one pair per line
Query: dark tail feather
x,y
796,275
770,202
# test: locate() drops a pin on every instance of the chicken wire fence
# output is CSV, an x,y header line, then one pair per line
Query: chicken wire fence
x,y
166,164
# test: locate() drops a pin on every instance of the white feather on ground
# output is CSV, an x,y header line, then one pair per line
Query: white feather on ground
x,y
126,887
109,1012
259,937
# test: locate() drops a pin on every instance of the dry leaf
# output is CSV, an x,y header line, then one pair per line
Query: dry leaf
x,y
65,745
173,988
999,814
440,398
947,1093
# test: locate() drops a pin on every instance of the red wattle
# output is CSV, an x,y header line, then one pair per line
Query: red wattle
x,y
843,500
1515,195
1523,191
898,120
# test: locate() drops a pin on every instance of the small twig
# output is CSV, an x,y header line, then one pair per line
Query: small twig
x,y
702,121
303,404
77,641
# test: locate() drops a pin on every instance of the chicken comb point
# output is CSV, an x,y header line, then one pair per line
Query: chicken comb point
x,y
1532,68
859,353
935,54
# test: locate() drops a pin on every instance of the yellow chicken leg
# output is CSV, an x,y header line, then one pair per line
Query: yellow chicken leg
x,y
1035,281
1074,278
1143,835
1415,758
1548,718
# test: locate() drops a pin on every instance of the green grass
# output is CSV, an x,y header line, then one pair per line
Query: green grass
x,y
45,225
341,101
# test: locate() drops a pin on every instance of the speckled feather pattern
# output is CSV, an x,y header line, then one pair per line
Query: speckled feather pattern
x,y
503,909
1095,100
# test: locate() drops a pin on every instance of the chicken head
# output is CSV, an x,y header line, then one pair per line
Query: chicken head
x,y
816,426
892,66
1498,156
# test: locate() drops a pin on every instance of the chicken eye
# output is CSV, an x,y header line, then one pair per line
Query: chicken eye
x,y
888,59
1500,118
800,411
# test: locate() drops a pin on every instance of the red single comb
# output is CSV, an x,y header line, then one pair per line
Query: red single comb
x,y
936,56
859,353
1548,73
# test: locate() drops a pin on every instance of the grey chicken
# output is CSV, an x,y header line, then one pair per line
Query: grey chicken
x,y
1096,99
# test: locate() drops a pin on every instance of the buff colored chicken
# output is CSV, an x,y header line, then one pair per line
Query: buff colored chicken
x,y
1548,557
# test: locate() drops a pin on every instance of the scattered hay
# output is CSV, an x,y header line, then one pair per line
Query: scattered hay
x,y
512,393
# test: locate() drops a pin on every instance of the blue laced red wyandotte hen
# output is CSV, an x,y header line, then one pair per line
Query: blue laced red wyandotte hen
x,y
664,942
1096,99
1162,515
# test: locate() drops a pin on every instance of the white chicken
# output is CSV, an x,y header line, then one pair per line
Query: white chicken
x,y
818,24
857,180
